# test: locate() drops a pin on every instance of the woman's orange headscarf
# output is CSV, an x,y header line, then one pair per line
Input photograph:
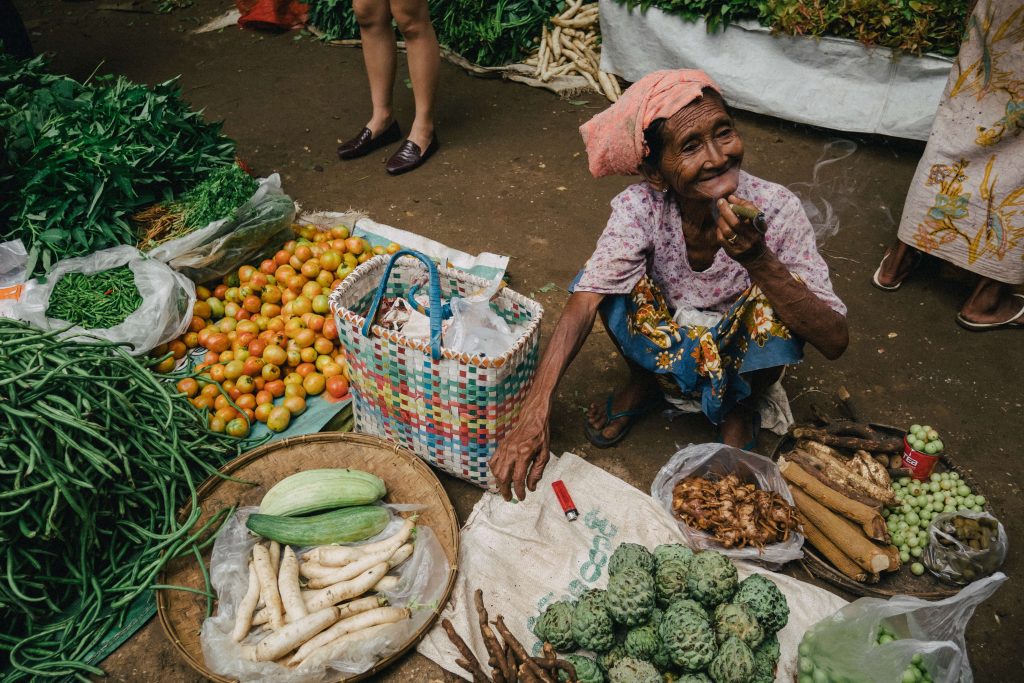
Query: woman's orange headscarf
x,y
615,138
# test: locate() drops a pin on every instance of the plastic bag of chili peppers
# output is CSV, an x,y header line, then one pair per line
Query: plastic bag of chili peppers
x,y
117,295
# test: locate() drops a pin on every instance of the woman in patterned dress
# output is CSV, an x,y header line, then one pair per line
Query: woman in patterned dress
x,y
701,302
966,202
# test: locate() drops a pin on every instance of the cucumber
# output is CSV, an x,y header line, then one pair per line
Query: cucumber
x,y
322,489
346,525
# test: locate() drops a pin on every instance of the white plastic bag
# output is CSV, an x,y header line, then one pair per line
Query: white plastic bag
x,y
957,562
13,262
719,460
257,228
167,300
844,647
476,329
422,580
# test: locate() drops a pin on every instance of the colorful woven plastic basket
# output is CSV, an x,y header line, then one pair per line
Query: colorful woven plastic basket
x,y
449,408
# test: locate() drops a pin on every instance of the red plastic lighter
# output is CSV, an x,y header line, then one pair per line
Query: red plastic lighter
x,y
565,500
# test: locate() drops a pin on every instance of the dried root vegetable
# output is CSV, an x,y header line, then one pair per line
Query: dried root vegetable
x,y
569,47
838,474
832,552
872,558
867,517
734,513
873,445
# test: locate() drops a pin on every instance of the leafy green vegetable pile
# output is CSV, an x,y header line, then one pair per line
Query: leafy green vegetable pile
x,y
215,198
914,26
80,158
485,32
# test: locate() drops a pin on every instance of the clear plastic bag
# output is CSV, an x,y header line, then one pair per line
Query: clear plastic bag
x,y
717,459
13,262
845,646
422,580
476,329
955,561
167,300
258,228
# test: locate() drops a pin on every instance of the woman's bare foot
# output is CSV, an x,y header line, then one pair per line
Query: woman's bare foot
x,y
992,303
899,261
641,390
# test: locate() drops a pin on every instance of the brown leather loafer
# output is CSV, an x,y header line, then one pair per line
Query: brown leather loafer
x,y
364,143
409,156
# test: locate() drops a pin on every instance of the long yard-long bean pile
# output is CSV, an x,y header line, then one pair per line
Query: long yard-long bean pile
x,y
97,300
96,456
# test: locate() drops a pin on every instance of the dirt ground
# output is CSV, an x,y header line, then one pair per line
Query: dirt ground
x,y
511,178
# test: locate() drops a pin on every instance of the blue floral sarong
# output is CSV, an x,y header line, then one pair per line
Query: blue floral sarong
x,y
706,363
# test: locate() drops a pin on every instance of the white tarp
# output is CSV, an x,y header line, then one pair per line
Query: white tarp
x,y
830,82
526,555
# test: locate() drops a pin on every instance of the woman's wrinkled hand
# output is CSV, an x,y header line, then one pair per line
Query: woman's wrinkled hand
x,y
520,459
739,237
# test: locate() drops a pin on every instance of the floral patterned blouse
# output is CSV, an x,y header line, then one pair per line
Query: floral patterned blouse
x,y
644,235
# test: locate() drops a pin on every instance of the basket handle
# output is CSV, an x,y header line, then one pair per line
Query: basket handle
x,y
433,296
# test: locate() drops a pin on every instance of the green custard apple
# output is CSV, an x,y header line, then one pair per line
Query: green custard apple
x,y
765,600
692,678
629,597
610,658
555,626
766,659
630,670
736,619
630,555
712,579
688,638
734,663
592,627
670,579
642,642
587,670
693,606
672,551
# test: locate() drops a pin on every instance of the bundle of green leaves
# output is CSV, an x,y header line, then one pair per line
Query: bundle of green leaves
x,y
80,158
486,32
912,26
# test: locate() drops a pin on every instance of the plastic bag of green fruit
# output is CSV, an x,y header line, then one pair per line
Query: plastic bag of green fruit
x,y
902,639
965,546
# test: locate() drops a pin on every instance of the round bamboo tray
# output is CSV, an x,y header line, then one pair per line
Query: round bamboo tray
x,y
902,582
409,480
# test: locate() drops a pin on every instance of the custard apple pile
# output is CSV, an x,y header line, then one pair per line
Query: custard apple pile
x,y
671,615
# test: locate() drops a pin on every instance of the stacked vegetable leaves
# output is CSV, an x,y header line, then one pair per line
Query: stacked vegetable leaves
x,y
97,455
485,32
80,158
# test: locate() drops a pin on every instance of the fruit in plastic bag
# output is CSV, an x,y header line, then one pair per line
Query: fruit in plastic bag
x,y
630,670
555,626
629,598
765,600
733,619
630,555
734,663
712,578
688,638
591,624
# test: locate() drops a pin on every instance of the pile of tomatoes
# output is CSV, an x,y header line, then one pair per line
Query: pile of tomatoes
x,y
269,335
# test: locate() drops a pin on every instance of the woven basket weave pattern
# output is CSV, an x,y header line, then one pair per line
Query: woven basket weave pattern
x,y
452,413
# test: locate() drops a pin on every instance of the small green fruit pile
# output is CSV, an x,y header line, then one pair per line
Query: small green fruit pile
x,y
811,668
671,615
924,439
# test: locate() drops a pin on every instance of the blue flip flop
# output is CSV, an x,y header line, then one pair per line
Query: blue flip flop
x,y
595,437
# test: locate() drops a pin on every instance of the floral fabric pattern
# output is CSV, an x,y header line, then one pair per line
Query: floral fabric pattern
x,y
700,362
966,202
644,235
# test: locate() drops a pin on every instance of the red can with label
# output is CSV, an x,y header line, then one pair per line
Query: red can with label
x,y
920,464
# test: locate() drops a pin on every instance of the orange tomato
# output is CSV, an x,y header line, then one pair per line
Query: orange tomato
x,y
354,245
188,386
270,372
278,419
263,396
217,372
217,424
227,413
177,349
292,378
191,340
305,338
196,324
276,324
245,273
219,291
252,303
226,325
275,355
201,402
202,293
294,357
270,310
314,384
296,405
308,354
393,248
281,257
330,369
311,268
246,401
337,386
315,321
325,278
330,260
323,346
256,347
304,369
238,428
210,391
275,387
259,281
295,389
330,330
303,253
233,370
268,266
271,294
311,289
262,412
253,366
245,384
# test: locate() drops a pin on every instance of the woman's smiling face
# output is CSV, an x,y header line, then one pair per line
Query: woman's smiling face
x,y
702,151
